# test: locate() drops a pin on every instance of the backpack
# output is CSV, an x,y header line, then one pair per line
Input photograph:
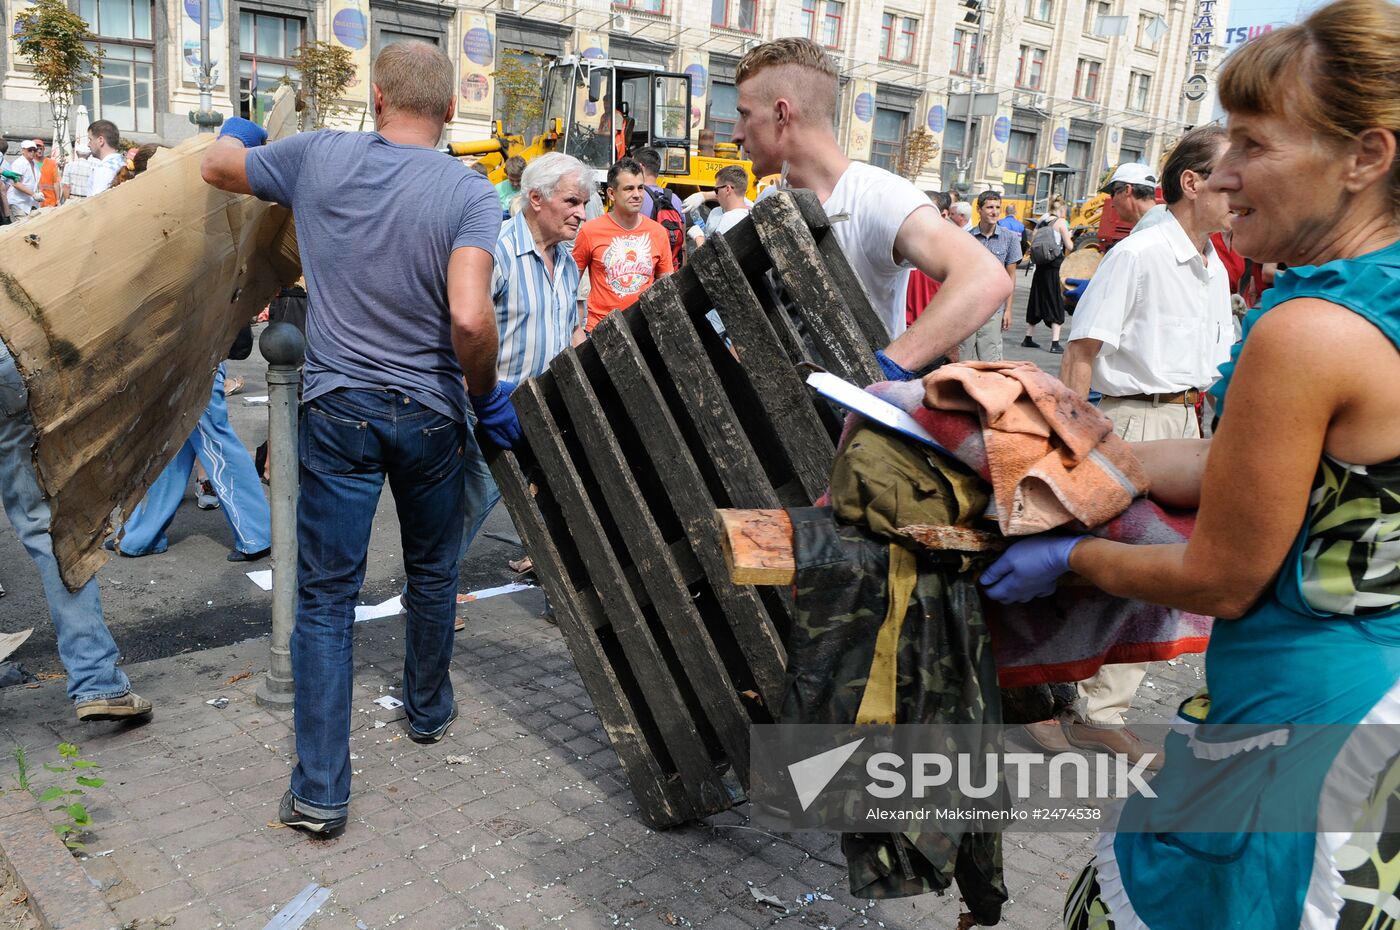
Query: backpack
x,y
665,213
1046,247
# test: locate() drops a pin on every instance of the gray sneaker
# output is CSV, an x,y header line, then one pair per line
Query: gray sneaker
x,y
437,735
129,706
322,826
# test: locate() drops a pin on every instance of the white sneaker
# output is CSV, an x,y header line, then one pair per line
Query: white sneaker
x,y
204,496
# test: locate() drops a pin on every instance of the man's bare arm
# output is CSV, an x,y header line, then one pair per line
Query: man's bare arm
x,y
474,336
225,166
1077,367
973,286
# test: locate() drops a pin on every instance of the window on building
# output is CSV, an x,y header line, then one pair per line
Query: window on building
x,y
735,14
1151,27
964,51
1030,68
123,91
1079,156
641,6
1139,91
959,147
898,35
1020,155
887,137
1131,153
821,21
1040,10
387,37
266,44
1095,10
1086,79
724,98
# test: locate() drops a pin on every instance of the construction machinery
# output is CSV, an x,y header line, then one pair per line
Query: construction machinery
x,y
599,109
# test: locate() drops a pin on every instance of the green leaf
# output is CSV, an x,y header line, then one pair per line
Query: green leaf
x,y
85,764
63,829
67,749
51,794
87,782
80,815
56,769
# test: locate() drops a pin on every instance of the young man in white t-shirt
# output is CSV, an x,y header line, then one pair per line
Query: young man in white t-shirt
x,y
731,182
103,139
787,113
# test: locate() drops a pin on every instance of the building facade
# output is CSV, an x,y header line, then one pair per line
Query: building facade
x,y
1004,87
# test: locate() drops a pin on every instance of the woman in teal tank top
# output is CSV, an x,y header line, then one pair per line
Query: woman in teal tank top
x,y
1279,805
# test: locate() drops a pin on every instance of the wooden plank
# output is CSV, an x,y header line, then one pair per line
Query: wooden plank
x,y
777,384
663,802
704,668
857,302
689,369
758,544
683,742
750,624
824,308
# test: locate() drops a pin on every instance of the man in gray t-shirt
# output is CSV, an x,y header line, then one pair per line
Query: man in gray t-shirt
x,y
397,242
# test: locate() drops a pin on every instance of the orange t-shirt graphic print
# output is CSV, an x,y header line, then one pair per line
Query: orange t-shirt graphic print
x,y
621,263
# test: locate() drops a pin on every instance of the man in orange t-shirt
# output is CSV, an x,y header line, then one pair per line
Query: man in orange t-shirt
x,y
622,252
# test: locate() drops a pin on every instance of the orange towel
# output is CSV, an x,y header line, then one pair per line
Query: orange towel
x,y
1054,458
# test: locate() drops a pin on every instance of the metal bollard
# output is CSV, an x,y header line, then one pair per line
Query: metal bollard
x,y
283,347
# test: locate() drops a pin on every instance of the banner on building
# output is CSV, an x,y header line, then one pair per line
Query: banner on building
x,y
1110,149
350,29
590,44
476,62
996,148
860,119
696,63
190,13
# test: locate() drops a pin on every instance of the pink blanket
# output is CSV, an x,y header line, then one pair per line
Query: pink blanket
x,y
1067,637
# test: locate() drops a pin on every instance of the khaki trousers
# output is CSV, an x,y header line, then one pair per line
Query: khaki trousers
x,y
1108,695
985,344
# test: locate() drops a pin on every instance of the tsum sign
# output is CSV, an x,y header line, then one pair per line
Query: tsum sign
x,y
1203,31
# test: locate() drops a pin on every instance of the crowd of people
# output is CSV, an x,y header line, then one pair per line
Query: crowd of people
x,y
409,374
34,183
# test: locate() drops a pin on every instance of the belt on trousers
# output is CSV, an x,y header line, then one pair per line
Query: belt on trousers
x,y
1187,397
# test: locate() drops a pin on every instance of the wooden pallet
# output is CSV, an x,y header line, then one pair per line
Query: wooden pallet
x,y
633,440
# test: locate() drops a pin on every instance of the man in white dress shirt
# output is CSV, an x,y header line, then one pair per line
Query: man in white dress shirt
x,y
1149,334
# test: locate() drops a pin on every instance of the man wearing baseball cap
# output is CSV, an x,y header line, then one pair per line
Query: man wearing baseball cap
x,y
1132,190
24,193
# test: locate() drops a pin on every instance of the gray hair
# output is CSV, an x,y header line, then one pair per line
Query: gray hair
x,y
547,172
963,209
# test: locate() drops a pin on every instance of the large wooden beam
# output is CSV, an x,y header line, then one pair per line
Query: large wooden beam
x,y
758,544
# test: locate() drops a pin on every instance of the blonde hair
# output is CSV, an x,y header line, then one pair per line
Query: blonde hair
x,y
415,78
811,76
1336,74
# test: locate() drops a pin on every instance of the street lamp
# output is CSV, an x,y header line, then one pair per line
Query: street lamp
x,y
205,117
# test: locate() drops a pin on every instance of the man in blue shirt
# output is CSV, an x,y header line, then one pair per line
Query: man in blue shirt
x,y
397,243
985,344
535,292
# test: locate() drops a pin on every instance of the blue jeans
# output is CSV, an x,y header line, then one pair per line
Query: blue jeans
x,y
84,643
231,472
350,440
482,495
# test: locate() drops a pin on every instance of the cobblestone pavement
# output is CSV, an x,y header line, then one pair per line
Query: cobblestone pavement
x,y
520,819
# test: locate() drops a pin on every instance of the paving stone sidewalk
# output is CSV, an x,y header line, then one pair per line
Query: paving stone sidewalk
x,y
520,819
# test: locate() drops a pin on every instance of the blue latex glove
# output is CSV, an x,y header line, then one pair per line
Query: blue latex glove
x,y
892,369
1075,291
1029,569
244,130
495,417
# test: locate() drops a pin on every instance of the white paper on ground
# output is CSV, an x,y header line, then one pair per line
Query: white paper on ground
x,y
9,642
493,592
388,702
871,407
262,579
389,608
256,399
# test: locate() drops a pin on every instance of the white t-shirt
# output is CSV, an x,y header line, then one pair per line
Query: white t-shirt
x,y
1162,312
877,203
30,179
104,171
730,218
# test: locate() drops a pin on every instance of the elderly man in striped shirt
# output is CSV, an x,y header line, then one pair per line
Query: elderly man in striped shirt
x,y
535,289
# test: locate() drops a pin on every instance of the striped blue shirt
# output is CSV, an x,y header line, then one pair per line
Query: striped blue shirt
x,y
535,316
